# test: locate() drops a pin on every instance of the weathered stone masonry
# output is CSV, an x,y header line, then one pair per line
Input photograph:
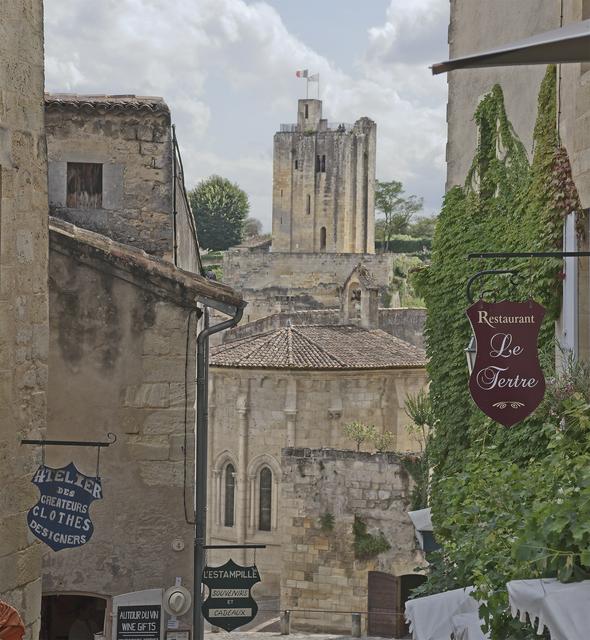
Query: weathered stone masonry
x,y
23,297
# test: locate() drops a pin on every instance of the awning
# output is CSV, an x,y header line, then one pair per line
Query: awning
x,y
443,615
562,608
570,43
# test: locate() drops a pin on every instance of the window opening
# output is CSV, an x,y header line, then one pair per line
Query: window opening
x,y
296,164
230,485
317,164
308,206
322,238
84,185
306,111
265,508
323,167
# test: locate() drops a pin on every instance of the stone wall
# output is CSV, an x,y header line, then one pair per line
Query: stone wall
x,y
131,138
404,323
23,298
319,570
324,185
480,25
254,414
118,360
274,282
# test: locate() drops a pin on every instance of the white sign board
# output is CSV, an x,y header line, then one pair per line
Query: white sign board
x,y
138,616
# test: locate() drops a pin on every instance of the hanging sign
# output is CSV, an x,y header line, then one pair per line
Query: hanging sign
x,y
61,517
229,604
507,381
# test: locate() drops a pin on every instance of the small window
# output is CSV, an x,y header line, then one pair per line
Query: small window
x,y
296,164
322,238
308,206
317,164
306,111
230,486
265,508
323,165
84,185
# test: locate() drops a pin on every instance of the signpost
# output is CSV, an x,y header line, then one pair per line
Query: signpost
x,y
61,517
229,604
139,622
507,381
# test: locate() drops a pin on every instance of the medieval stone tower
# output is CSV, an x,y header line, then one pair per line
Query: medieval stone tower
x,y
324,185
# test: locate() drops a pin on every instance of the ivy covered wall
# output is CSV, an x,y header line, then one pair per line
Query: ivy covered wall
x,y
488,481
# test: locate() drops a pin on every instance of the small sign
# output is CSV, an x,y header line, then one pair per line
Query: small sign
x,y
507,381
229,604
61,517
139,622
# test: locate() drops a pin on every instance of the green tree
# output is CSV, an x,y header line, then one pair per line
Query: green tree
x,y
220,209
359,432
422,228
396,208
252,228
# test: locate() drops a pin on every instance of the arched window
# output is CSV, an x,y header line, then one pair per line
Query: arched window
x,y
230,486
322,238
265,504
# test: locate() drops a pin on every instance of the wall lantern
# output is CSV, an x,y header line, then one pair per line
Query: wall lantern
x,y
470,353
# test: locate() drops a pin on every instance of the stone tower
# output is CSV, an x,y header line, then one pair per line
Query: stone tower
x,y
324,184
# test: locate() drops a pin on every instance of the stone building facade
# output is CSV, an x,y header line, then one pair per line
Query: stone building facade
x,y
295,386
323,219
477,25
123,327
114,168
320,572
23,298
324,184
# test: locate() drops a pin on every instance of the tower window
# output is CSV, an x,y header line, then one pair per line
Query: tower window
x,y
322,238
308,207
230,486
265,508
323,165
306,111
296,164
84,185
317,164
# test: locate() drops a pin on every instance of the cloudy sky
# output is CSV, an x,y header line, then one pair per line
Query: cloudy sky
x,y
227,70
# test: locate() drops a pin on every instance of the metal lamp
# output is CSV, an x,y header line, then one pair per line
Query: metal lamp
x,y
470,353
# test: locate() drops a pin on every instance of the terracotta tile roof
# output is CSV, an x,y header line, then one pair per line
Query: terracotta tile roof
x,y
76,101
319,347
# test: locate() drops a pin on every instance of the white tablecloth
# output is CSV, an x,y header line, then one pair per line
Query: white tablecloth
x,y
436,617
563,608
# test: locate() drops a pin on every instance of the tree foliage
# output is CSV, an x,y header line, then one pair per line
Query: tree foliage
x,y
505,502
220,208
252,228
396,208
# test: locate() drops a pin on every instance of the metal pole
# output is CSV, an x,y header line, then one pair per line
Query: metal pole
x,y
201,433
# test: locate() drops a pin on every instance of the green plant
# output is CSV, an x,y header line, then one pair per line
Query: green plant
x,y
327,521
359,432
507,504
383,441
366,545
396,208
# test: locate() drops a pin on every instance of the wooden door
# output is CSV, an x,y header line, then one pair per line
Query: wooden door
x,y
384,606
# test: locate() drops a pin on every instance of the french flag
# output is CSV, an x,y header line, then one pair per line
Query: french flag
x,y
303,73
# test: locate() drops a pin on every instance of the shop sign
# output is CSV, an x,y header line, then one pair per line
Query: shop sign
x,y
61,517
139,622
229,604
507,381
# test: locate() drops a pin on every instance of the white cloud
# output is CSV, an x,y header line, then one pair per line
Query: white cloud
x,y
226,68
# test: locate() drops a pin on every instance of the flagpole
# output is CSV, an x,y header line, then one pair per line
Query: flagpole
x,y
307,88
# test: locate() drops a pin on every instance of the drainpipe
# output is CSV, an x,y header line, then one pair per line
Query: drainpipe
x,y
201,431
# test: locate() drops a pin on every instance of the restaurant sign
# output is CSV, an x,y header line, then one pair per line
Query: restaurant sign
x,y
229,604
507,381
61,517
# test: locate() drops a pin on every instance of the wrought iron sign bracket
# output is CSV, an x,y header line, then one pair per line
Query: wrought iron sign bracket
x,y
73,443
234,546
559,255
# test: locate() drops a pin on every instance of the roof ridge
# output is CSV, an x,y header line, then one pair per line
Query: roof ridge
x,y
318,346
